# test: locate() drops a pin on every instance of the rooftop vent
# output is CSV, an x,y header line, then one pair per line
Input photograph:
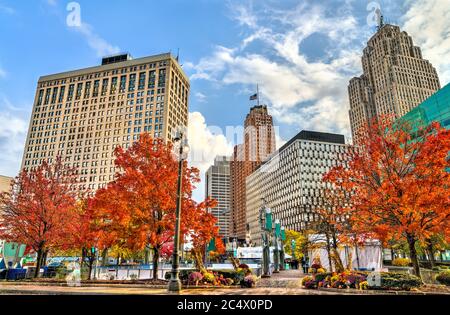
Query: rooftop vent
x,y
116,58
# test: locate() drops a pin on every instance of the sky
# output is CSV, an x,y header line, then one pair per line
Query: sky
x,y
301,54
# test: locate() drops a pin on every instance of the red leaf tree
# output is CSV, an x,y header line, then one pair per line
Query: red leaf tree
x,y
39,208
398,183
137,209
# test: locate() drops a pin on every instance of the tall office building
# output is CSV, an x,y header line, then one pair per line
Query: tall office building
x,y
290,181
395,79
83,115
5,183
259,143
218,187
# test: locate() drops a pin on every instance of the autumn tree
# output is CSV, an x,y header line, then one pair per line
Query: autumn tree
x,y
84,231
39,208
137,209
201,227
398,183
301,242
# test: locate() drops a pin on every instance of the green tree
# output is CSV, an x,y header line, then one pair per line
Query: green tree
x,y
300,243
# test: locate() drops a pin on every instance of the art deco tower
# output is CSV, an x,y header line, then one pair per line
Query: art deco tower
x,y
259,143
395,78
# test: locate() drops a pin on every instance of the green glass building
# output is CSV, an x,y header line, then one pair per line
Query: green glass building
x,y
435,108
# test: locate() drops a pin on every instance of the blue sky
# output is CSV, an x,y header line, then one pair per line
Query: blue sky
x,y
302,54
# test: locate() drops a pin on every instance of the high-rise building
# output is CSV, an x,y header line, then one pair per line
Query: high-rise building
x,y
395,79
217,182
259,143
436,108
290,181
5,183
83,115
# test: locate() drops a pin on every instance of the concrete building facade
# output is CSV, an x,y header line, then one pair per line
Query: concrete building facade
x,y
83,115
395,79
5,183
290,181
217,184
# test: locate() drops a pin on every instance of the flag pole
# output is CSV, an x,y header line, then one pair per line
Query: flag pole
x,y
257,93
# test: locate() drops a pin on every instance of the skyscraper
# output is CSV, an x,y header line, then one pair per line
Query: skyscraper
x,y
395,78
259,143
218,187
290,181
83,115
5,183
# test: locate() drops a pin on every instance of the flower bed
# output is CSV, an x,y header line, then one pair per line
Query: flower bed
x,y
362,281
241,276
444,277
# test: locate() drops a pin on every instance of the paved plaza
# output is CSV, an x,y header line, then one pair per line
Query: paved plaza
x,y
285,282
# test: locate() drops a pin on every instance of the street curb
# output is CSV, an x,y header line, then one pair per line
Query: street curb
x,y
375,292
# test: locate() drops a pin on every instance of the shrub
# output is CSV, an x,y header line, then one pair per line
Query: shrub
x,y
364,285
133,276
322,276
183,275
444,277
393,280
249,281
209,277
195,277
401,262
316,266
309,283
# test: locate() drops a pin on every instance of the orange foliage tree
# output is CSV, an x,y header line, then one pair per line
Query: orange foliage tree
x,y
38,210
137,209
398,183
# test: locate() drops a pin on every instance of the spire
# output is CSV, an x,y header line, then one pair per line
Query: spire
x,y
380,19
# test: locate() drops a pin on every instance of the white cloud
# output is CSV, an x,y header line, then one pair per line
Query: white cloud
x,y
6,9
200,97
98,44
13,130
2,73
311,94
205,143
428,22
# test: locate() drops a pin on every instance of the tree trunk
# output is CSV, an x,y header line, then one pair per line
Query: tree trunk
x,y
38,261
431,254
198,259
44,259
91,262
83,257
413,254
357,255
328,246
104,256
155,263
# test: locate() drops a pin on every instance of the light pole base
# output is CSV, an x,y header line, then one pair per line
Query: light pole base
x,y
174,286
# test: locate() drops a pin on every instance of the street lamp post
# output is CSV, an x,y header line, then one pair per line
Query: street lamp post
x,y
283,238
175,283
276,253
265,219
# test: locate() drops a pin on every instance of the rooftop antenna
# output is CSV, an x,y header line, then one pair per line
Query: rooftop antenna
x,y
380,19
178,55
